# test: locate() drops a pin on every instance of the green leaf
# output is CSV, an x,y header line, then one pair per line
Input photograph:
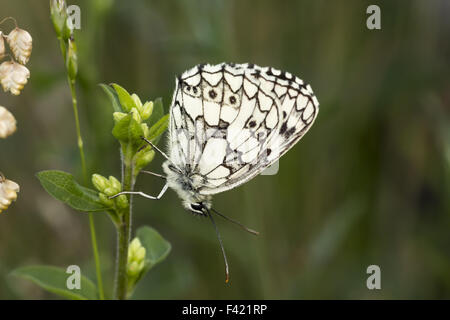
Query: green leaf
x,y
157,248
54,279
158,129
112,95
157,113
125,99
128,130
62,186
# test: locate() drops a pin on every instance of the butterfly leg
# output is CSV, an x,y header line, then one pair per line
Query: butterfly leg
x,y
161,193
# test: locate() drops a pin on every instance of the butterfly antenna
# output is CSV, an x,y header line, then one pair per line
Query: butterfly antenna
x,y
236,222
159,150
155,147
227,274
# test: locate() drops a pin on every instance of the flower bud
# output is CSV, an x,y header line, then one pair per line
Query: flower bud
x,y
13,76
137,101
58,13
7,123
135,244
122,201
144,158
136,258
147,110
140,254
133,269
110,191
72,59
100,183
129,132
115,184
119,116
109,187
21,44
8,192
2,46
136,115
106,200
145,129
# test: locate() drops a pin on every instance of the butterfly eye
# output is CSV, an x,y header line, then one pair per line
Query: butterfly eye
x,y
197,207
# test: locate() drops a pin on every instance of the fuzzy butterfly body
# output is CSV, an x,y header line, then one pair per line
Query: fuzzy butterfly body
x,y
229,122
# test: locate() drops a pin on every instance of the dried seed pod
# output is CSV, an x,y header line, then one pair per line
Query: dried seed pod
x,y
8,192
13,76
7,123
2,46
21,44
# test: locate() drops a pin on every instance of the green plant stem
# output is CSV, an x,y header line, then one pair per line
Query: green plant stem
x,y
85,177
77,125
96,257
123,231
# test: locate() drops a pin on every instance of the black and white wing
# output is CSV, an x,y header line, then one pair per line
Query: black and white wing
x,y
231,121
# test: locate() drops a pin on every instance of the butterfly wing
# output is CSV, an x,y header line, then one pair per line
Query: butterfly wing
x,y
297,110
230,122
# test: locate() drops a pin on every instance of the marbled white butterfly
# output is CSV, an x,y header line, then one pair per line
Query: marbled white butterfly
x,y
229,122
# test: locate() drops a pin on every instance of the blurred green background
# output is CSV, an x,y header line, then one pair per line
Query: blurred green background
x,y
369,184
